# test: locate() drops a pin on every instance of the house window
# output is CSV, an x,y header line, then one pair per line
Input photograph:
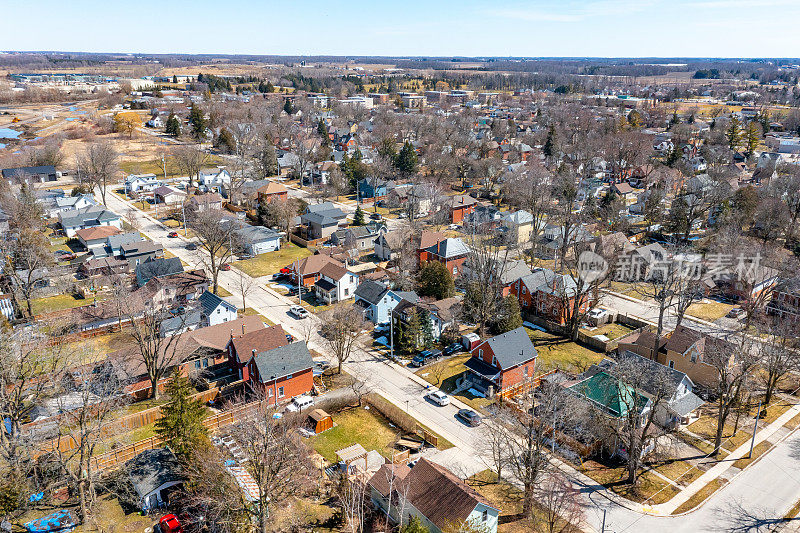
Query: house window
x,y
280,392
346,292
269,393
671,363
525,371
480,353
352,279
494,361
205,363
455,271
694,356
485,516
197,365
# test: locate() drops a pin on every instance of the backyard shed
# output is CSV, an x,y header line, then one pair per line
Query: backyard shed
x,y
320,420
154,474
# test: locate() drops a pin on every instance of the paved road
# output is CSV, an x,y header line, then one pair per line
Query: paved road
x,y
765,490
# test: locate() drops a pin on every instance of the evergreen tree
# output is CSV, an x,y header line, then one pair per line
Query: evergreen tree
x,y
436,281
173,126
288,107
412,332
675,119
181,425
510,315
387,149
262,213
425,339
407,159
174,78
358,217
549,148
414,525
267,161
322,130
225,141
734,133
198,122
752,137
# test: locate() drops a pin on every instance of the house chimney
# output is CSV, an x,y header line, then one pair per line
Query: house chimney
x,y
254,352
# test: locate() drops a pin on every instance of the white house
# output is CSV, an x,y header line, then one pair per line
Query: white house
x,y
7,306
168,196
215,310
214,179
258,240
78,219
335,284
136,183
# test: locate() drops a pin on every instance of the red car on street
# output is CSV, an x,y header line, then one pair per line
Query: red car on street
x,y
172,234
225,267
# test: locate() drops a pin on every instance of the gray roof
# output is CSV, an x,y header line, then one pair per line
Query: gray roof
x,y
210,301
256,234
133,248
283,361
518,217
188,319
514,270
686,404
512,348
409,296
117,241
324,218
450,247
158,268
371,291
9,173
153,468
93,214
547,281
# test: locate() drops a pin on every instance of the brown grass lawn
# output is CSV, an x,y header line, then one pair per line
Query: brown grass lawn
x,y
362,426
444,374
108,513
700,445
701,496
649,487
612,331
557,352
271,262
59,302
758,450
706,427
709,310
679,471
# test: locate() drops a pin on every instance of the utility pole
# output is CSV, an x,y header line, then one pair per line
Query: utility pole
x,y
603,529
755,428
391,335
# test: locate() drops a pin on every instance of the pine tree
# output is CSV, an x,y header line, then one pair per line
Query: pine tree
x,y
752,137
174,78
181,425
198,122
510,317
414,525
549,148
407,159
173,126
225,141
322,130
426,338
436,281
288,107
734,133
358,217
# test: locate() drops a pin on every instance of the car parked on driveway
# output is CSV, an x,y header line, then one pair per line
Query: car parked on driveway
x,y
172,234
452,349
225,267
299,403
298,311
191,246
469,417
425,357
169,523
736,312
439,398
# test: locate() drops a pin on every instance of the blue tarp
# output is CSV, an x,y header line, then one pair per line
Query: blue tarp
x,y
61,521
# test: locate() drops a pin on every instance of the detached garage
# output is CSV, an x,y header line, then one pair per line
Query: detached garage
x,y
154,474
258,240
320,421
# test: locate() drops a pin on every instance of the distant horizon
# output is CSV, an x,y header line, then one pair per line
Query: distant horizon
x,y
415,28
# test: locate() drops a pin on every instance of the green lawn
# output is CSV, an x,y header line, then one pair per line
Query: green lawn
x,y
271,262
557,352
58,302
357,426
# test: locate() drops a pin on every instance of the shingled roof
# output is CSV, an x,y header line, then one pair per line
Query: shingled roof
x,y
283,361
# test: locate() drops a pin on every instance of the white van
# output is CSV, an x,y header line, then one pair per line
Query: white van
x,y
299,403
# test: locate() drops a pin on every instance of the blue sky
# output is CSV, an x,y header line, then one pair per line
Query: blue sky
x,y
609,28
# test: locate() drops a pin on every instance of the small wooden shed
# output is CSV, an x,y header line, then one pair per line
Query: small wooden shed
x,y
320,420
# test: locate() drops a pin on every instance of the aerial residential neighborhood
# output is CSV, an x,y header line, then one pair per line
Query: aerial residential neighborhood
x,y
399,291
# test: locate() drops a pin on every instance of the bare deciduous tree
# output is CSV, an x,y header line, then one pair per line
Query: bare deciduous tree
x,y
100,164
342,327
217,241
191,160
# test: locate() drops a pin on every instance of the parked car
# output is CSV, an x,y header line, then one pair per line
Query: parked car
x,y
320,367
375,216
425,357
169,523
469,417
289,338
225,267
278,276
299,403
63,255
191,246
298,312
452,349
439,398
172,234
736,312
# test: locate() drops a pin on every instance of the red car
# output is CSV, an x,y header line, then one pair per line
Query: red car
x,y
172,234
225,267
169,523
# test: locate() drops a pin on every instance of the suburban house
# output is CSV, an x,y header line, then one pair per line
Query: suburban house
x,y
640,263
361,238
501,363
451,252
140,252
180,288
154,475
373,189
510,271
517,225
461,205
282,373
168,196
213,179
549,295
308,269
389,244
42,174
203,202
115,242
441,313
320,221
433,494
242,347
215,310
56,203
138,183
611,395
96,236
7,306
272,191
88,217
785,299
377,301
106,266
157,268
257,240
335,284
287,163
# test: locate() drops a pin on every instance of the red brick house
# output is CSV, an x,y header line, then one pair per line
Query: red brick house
x,y
461,205
426,240
242,347
272,191
452,253
282,373
309,269
545,293
502,362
